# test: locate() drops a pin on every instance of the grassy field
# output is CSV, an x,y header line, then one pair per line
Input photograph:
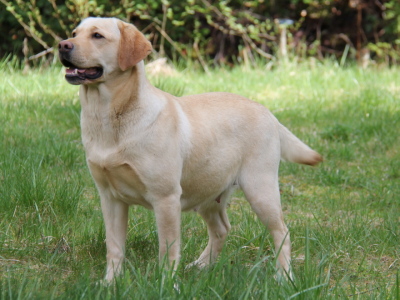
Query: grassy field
x,y
344,215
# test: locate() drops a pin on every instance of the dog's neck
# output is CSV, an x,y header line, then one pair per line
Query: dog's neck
x,y
114,91
127,97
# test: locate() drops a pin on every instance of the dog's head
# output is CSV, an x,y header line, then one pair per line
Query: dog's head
x,y
99,47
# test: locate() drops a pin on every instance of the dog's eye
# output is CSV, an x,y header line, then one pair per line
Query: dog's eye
x,y
97,36
74,34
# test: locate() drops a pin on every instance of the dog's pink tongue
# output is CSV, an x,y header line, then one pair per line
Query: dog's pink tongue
x,y
89,71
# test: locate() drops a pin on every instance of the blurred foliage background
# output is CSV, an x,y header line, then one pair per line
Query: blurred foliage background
x,y
217,32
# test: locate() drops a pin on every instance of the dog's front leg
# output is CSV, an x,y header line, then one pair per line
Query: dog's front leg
x,y
115,215
168,217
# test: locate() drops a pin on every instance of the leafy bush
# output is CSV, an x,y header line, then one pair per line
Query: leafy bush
x,y
224,31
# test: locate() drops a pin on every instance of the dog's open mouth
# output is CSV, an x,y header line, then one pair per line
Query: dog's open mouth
x,y
75,75
89,73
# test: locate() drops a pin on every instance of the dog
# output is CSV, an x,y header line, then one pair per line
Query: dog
x,y
172,154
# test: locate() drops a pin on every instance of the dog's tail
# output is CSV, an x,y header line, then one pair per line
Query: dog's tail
x,y
294,150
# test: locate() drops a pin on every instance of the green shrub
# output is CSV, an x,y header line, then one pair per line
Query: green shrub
x,y
224,31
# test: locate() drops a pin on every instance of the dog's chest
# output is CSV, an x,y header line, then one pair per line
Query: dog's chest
x,y
110,156
117,177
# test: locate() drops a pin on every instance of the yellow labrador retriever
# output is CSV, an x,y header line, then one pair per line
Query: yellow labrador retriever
x,y
172,154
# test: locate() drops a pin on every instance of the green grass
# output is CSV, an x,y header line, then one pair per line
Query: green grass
x,y
344,215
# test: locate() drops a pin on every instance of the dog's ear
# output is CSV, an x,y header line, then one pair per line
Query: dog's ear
x,y
133,46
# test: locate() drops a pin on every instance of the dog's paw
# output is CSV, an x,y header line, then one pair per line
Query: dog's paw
x,y
197,263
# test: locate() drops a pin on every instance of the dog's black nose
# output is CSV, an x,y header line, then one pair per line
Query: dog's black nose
x,y
65,46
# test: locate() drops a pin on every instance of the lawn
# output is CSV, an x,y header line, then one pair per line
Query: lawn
x,y
343,215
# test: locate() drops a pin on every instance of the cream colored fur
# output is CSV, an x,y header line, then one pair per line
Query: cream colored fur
x,y
173,154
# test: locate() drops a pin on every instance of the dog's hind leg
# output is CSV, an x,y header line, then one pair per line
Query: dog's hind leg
x,y
218,227
261,189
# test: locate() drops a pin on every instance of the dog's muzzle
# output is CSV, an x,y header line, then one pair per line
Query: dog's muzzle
x,y
75,74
